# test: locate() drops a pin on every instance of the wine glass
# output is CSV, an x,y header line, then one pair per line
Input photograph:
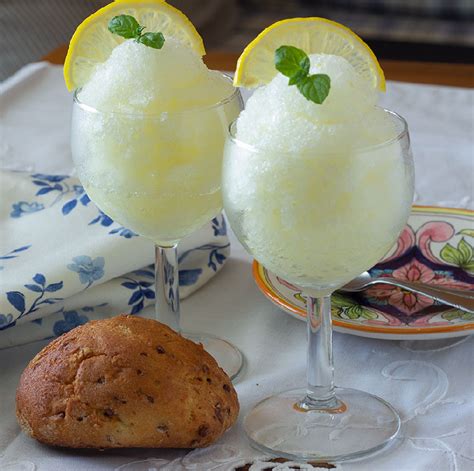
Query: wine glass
x,y
160,176
318,219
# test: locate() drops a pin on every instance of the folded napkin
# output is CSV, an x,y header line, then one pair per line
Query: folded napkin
x,y
64,262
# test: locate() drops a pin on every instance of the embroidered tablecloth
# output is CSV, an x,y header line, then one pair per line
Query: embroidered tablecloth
x,y
430,383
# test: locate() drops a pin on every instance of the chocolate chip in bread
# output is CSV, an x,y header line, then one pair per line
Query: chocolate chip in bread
x,y
125,382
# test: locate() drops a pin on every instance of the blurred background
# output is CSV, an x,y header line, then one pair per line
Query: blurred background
x,y
421,30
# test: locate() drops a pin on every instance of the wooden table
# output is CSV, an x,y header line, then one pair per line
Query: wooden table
x,y
458,75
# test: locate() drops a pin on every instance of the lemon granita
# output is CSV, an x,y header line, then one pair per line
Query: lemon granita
x,y
150,121
310,192
278,117
140,79
148,130
317,185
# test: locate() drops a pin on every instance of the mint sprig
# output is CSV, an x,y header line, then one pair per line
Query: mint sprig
x,y
315,87
155,40
294,63
128,27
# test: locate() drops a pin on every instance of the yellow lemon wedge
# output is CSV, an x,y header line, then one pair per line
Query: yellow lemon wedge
x,y
256,64
92,42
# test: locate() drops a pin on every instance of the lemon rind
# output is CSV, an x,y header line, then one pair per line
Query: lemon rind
x,y
239,79
68,62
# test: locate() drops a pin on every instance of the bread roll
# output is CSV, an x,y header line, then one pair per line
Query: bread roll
x,y
125,382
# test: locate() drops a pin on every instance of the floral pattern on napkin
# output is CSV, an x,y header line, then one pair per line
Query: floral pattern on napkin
x,y
64,262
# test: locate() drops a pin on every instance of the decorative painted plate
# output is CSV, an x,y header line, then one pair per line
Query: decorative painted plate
x,y
435,247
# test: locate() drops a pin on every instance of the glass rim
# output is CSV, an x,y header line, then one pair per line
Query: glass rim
x,y
400,135
235,93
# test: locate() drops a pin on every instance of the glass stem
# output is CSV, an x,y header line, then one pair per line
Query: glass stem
x,y
320,369
167,286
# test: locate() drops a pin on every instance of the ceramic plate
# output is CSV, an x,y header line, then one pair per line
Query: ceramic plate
x,y
435,247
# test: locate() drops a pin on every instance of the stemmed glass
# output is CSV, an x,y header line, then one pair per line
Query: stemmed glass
x,y
318,219
160,176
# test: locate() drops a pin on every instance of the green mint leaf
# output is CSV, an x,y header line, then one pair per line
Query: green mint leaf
x,y
297,77
292,62
126,26
155,40
315,88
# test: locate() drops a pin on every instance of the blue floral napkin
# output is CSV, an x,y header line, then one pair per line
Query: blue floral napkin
x,y
64,262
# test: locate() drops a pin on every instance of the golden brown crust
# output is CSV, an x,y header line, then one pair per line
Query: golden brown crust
x,y
125,382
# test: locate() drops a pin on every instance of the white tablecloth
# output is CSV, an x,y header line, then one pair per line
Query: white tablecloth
x,y
432,387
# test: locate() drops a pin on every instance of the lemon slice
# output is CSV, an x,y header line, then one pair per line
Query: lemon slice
x,y
313,35
92,43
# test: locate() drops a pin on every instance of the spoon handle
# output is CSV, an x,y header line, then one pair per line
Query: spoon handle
x,y
465,303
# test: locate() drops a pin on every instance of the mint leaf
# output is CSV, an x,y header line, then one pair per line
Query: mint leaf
x,y
126,26
155,40
292,62
315,88
297,78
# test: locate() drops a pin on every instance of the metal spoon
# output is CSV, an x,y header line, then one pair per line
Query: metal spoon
x,y
463,300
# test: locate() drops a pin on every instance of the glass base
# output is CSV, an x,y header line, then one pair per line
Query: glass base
x,y
228,357
366,424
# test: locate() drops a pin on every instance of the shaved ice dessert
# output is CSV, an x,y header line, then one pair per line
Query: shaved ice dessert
x,y
279,117
317,191
140,79
317,185
148,133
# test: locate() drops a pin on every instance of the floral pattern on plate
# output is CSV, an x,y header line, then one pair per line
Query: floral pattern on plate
x,y
436,247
